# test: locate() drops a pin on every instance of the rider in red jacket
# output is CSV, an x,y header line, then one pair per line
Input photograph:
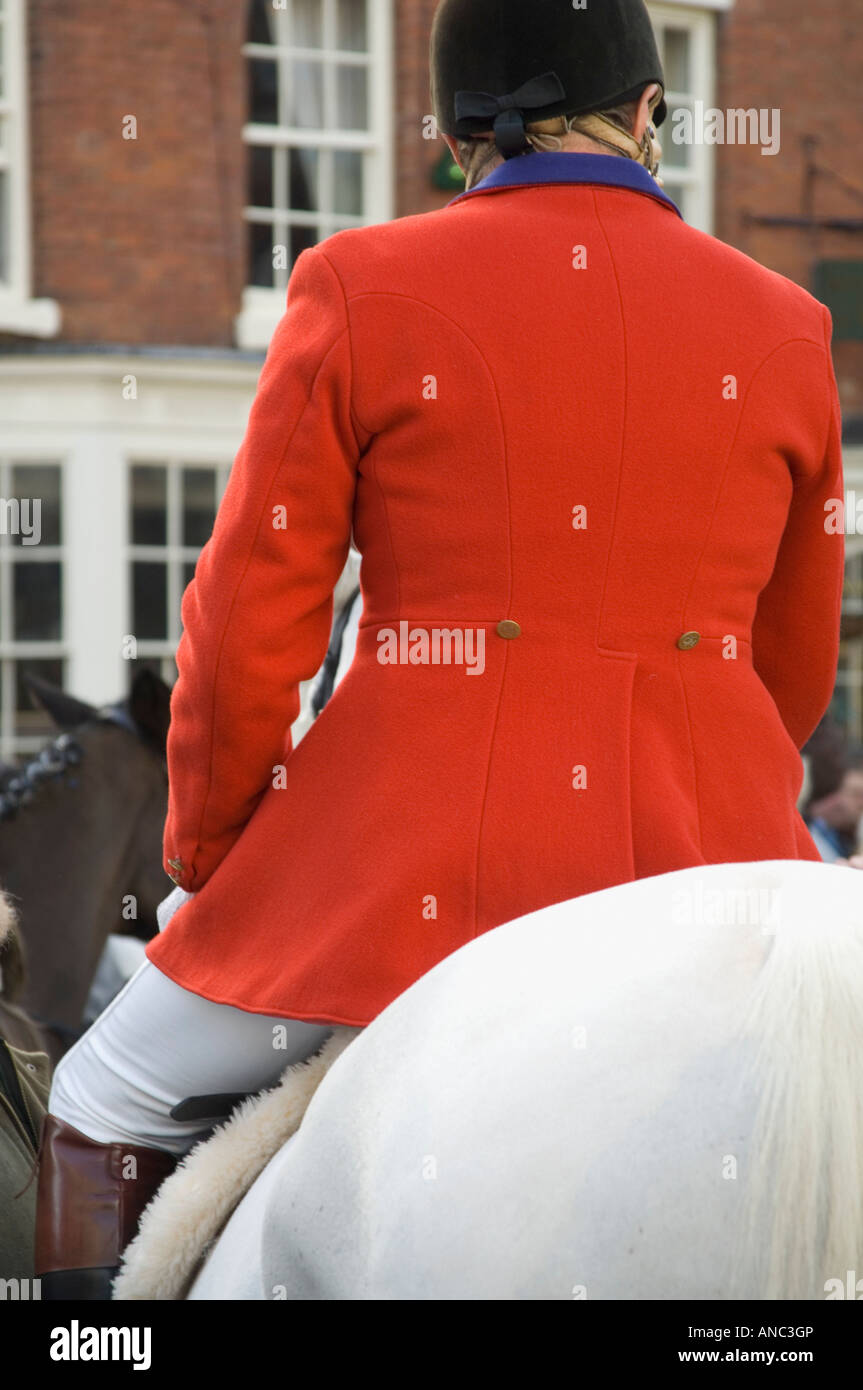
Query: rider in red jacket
x,y
585,451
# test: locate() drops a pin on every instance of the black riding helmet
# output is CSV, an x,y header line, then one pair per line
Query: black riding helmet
x,y
503,63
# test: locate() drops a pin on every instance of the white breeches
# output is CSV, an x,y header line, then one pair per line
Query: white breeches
x,y
157,1045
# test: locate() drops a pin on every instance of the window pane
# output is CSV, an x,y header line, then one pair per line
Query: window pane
x,y
351,27
306,102
39,483
261,254
307,24
263,91
149,599
149,504
303,168
260,176
301,239
199,505
839,285
675,156
348,178
351,100
258,25
677,60
36,588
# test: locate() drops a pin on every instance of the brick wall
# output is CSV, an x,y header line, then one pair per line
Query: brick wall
x,y
415,157
806,60
140,241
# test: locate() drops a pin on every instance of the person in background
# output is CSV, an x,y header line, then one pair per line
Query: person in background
x,y
834,820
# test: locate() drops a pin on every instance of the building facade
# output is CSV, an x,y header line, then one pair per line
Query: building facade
x,y
162,166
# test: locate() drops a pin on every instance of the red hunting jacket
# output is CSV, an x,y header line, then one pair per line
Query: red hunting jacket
x,y
585,451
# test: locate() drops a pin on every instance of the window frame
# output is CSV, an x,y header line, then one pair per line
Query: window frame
x,y
174,555
19,311
699,180
13,649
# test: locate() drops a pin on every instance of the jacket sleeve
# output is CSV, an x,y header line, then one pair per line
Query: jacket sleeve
x,y
795,636
257,615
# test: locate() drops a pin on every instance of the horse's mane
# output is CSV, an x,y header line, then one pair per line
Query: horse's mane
x,y
56,756
19,781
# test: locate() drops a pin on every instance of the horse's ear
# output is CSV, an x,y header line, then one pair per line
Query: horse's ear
x,y
65,710
149,706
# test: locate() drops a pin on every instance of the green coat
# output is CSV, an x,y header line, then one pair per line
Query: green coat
x,y
25,1079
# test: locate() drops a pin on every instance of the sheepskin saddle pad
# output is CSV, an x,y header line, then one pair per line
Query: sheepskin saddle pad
x,y
191,1207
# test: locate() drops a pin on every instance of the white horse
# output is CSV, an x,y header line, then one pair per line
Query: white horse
x,y
655,1091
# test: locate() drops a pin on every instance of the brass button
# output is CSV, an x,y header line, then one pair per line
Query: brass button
x,y
688,639
508,629
177,866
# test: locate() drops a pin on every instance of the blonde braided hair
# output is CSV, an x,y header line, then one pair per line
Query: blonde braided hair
x,y
478,155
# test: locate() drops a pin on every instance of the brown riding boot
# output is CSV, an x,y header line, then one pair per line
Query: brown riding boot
x,y
89,1201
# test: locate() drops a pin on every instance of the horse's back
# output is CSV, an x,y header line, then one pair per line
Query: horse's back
x,y
561,1109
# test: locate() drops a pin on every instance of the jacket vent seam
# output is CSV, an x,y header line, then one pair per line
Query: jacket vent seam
x,y
415,299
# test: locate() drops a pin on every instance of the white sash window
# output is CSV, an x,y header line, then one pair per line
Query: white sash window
x,y
318,138
686,37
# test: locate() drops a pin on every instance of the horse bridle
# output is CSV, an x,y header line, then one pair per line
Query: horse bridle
x,y
55,759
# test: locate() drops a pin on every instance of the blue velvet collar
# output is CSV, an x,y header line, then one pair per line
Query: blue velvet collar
x,y
569,166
